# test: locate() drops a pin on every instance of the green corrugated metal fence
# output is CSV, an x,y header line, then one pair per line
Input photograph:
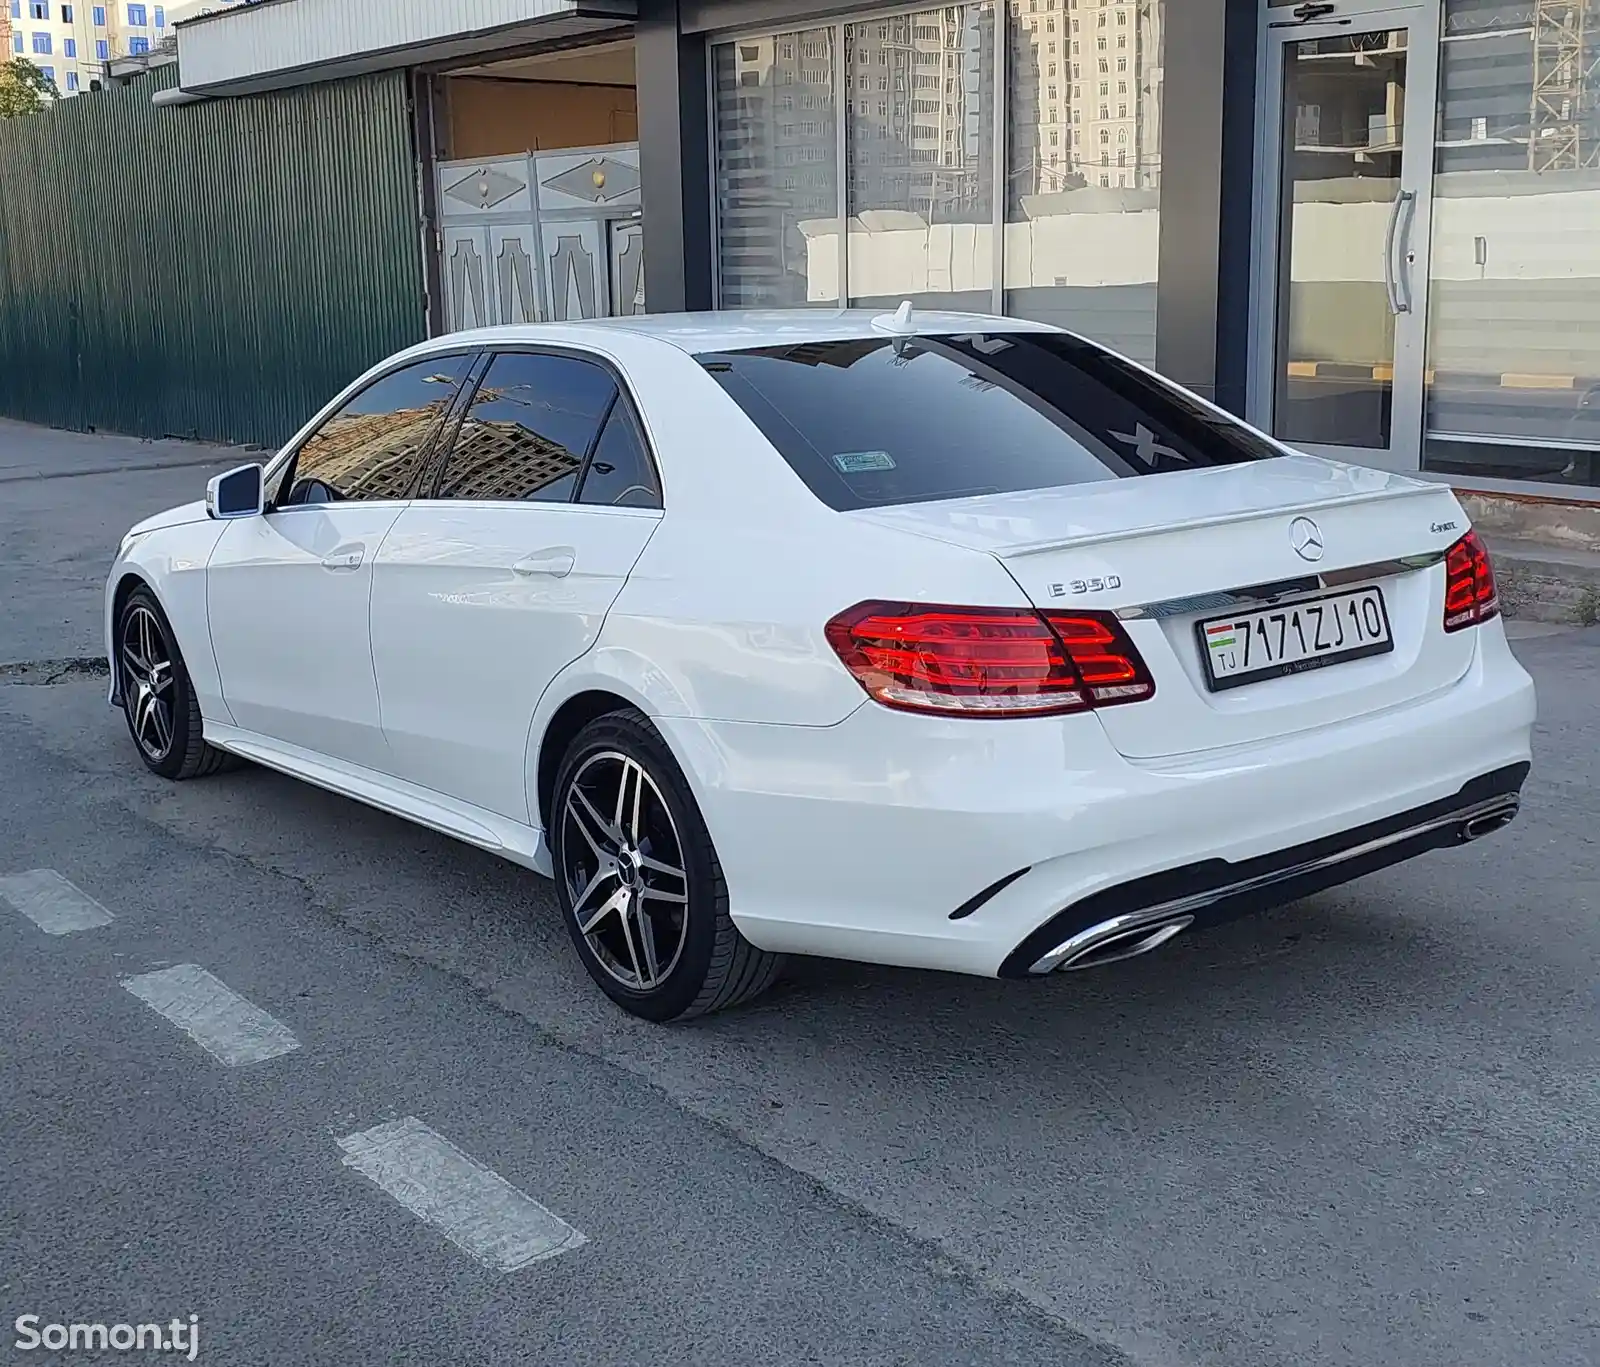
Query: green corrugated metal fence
x,y
212,270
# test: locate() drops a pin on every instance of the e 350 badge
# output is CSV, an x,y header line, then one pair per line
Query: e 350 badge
x,y
1100,585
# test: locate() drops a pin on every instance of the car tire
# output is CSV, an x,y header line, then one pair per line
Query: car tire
x,y
652,927
158,699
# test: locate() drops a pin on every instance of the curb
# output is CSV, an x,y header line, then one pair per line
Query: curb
x,y
1449,379
1546,584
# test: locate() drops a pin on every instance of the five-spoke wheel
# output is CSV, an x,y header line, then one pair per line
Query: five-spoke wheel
x,y
639,879
157,697
623,866
147,681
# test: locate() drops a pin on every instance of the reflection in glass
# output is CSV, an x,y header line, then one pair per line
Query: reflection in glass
x,y
777,168
919,126
1343,102
620,473
1083,167
373,447
1513,369
527,430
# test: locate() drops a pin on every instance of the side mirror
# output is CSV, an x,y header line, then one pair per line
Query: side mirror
x,y
238,493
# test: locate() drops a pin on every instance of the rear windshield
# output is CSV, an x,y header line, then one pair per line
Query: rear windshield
x,y
878,421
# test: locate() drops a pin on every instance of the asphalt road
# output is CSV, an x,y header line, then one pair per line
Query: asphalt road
x,y
1358,1131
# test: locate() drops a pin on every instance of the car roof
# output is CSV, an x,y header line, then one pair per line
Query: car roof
x,y
732,331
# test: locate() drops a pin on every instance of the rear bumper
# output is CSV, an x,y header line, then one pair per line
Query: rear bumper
x,y
1126,918
981,846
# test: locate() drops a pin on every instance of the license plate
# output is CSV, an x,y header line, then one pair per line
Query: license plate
x,y
1294,637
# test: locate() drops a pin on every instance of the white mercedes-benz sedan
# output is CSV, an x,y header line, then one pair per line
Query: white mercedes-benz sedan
x,y
927,639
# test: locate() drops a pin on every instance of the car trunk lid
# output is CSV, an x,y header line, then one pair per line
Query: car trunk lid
x,y
1171,552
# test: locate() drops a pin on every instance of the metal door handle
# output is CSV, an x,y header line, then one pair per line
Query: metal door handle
x,y
1390,282
344,560
1407,255
557,563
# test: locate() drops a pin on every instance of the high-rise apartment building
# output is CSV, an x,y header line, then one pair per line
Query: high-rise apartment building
x,y
70,42
1085,85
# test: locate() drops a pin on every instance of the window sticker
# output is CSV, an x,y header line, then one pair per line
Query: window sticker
x,y
862,462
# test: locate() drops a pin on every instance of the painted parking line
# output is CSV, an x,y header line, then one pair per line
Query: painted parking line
x,y
476,1209
52,903
213,1015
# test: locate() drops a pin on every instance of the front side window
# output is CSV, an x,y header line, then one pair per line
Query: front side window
x,y
99,16
41,42
138,46
136,15
529,427
374,447
875,422
69,47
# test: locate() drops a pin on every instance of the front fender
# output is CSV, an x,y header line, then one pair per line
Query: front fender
x,y
171,562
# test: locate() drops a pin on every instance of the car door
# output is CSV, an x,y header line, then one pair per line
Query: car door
x,y
288,592
489,587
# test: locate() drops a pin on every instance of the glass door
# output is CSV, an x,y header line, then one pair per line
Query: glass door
x,y
1344,166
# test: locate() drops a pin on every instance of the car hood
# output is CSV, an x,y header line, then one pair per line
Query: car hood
x,y
172,517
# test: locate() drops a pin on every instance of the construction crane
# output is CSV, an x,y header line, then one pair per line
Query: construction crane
x,y
1563,70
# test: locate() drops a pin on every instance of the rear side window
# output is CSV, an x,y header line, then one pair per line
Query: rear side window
x,y
878,421
527,430
620,474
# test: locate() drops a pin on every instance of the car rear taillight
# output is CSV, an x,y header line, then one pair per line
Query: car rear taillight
x,y
988,662
1470,593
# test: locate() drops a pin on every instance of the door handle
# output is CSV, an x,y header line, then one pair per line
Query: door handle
x,y
1391,283
557,562
349,559
1407,255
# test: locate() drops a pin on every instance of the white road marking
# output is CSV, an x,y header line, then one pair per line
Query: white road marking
x,y
52,903
476,1209
214,1016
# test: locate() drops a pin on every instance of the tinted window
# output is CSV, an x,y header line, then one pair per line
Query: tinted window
x,y
528,429
620,474
881,421
375,445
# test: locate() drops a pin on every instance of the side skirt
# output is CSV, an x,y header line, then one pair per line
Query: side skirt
x,y
487,830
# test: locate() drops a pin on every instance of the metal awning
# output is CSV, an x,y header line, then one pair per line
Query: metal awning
x,y
277,43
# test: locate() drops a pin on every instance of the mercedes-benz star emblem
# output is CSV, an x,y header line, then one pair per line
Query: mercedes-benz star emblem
x,y
1306,538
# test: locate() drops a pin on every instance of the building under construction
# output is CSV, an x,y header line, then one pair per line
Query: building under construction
x,y
1517,86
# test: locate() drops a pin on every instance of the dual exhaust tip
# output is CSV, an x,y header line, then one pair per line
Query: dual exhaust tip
x,y
1140,932
1122,937
1487,823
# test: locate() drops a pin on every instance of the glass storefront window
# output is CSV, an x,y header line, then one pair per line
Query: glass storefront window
x,y
1513,369
919,122
1343,139
920,94
1083,172
777,170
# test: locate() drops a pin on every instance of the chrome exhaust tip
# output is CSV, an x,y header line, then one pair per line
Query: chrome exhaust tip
x,y
1487,823
1122,937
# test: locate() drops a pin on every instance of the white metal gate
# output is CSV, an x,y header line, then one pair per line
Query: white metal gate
x,y
541,237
